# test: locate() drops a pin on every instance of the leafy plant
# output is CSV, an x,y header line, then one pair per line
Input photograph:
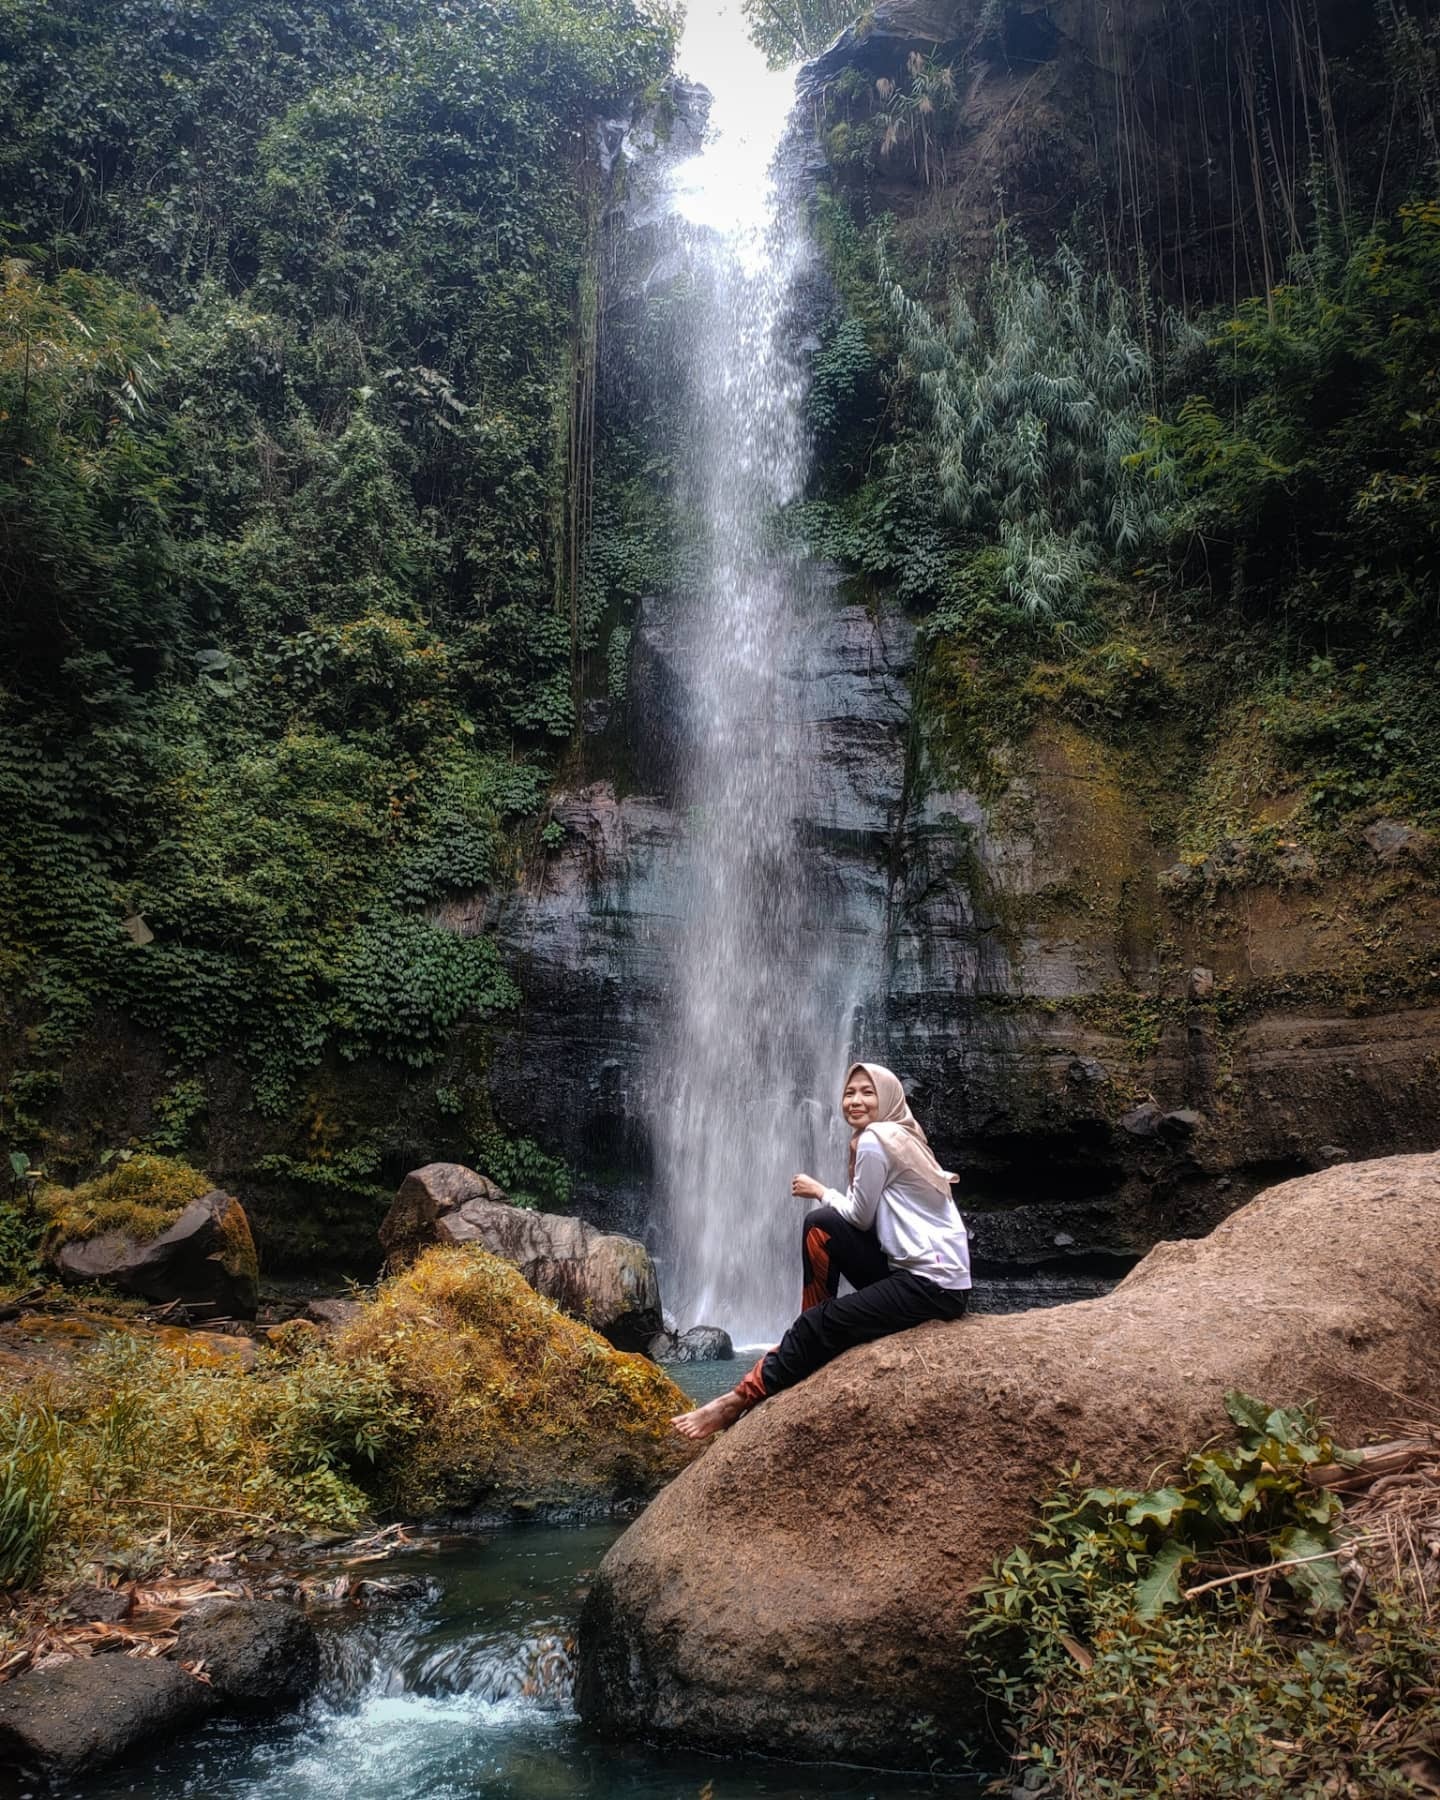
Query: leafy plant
x,y
30,1445
1226,1502
1037,407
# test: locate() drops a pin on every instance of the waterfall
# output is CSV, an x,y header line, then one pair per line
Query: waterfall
x,y
752,1053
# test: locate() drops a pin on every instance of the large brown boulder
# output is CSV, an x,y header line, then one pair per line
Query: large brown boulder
x,y
206,1260
605,1280
803,1586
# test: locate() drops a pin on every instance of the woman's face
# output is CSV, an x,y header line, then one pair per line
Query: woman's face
x,y
859,1103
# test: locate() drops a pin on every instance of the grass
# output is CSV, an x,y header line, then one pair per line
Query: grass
x,y
516,1396
456,1386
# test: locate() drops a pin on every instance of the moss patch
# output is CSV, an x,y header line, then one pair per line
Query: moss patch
x,y
517,1399
141,1197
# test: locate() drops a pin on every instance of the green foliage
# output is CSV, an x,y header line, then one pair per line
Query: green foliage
x,y
528,1175
405,983
29,1452
788,30
1120,1686
142,1422
1225,1706
141,1195
1308,451
1036,419
282,354
516,1398
1117,1546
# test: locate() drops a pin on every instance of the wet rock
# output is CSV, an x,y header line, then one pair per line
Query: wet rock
x,y
206,1261
1177,1126
661,1348
702,1343
85,1712
1200,985
606,1280
886,1485
1086,1071
1394,844
260,1655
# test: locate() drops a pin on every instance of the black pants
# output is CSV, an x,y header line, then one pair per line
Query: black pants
x,y
885,1300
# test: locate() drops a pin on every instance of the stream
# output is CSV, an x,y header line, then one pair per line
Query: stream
x,y
466,1691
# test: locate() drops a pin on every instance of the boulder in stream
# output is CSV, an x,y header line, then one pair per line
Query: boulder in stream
x,y
803,1587
84,1713
606,1280
259,1654
701,1343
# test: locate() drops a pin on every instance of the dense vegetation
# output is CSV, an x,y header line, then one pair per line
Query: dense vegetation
x,y
455,1383
1208,535
1237,1630
291,330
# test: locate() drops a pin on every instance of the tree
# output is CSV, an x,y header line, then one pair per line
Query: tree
x,y
787,29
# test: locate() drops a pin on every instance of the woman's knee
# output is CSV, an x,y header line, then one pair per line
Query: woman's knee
x,y
819,1218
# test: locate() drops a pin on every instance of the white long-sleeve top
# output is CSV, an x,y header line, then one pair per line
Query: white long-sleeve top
x,y
919,1229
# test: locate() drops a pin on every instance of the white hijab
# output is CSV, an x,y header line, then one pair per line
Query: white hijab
x,y
900,1132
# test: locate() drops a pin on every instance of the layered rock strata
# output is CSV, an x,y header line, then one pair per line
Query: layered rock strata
x,y
1106,1056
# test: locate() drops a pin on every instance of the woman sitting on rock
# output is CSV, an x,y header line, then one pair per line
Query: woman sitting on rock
x,y
895,1236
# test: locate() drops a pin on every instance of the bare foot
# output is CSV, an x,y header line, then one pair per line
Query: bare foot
x,y
706,1420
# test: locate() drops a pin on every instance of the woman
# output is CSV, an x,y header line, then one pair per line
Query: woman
x,y
895,1236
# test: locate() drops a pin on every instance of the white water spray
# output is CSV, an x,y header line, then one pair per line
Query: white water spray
x,y
757,1039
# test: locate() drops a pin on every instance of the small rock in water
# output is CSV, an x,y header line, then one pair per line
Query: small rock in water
x,y
704,1343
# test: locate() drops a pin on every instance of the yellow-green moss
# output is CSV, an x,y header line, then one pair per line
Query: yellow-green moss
x,y
516,1399
141,1197
237,1246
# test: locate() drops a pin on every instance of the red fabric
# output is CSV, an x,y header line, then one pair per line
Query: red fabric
x,y
822,1279
751,1388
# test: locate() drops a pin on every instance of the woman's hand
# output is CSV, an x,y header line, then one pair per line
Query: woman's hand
x,y
806,1187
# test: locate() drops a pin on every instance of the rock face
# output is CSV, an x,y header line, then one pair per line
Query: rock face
x,y
90,1711
206,1260
606,1280
1047,997
260,1655
803,1586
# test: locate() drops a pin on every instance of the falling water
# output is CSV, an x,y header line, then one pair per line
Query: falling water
x,y
754,1047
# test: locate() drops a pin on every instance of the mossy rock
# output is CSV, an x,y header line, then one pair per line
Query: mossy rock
x,y
142,1197
157,1228
519,1401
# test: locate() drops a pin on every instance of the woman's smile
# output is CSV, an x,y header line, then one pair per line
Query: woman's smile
x,y
859,1103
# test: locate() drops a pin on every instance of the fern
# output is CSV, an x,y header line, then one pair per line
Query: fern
x,y
1037,409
